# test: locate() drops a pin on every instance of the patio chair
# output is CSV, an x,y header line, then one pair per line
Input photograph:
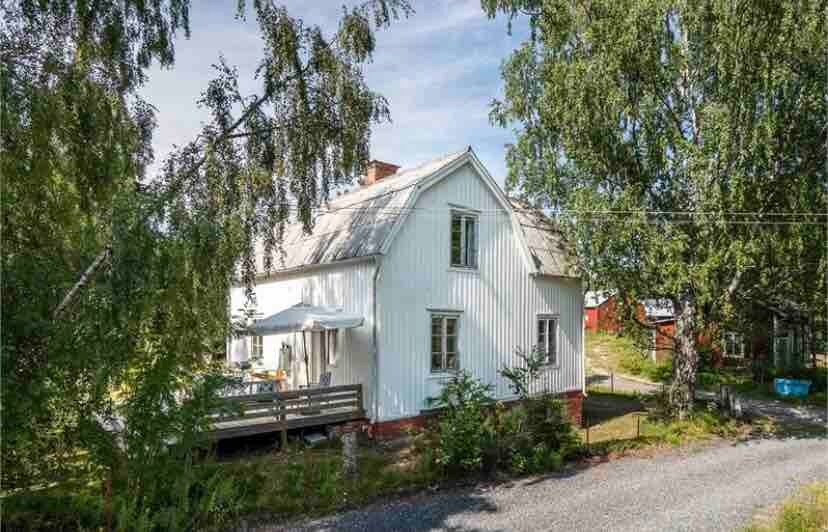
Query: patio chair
x,y
325,379
265,387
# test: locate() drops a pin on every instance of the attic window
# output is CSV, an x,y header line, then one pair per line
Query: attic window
x,y
463,240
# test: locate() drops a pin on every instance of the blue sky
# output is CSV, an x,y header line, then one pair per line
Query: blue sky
x,y
439,70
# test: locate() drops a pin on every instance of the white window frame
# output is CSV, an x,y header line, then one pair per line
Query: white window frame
x,y
552,358
468,255
733,339
257,347
443,315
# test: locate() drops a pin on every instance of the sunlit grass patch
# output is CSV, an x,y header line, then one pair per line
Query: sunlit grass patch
x,y
621,354
805,511
623,421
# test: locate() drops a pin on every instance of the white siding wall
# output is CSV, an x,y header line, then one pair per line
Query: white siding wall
x,y
499,302
349,287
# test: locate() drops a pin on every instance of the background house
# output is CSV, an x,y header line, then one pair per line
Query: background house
x,y
602,311
778,333
660,314
446,273
593,300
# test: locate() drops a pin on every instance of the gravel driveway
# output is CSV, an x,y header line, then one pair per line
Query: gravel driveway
x,y
711,488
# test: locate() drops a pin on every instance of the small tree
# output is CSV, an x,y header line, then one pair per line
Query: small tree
x,y
536,433
463,399
521,377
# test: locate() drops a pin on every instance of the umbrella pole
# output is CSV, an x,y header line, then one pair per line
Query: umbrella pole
x,y
307,360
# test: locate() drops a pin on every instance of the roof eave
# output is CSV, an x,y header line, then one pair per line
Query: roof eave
x,y
307,268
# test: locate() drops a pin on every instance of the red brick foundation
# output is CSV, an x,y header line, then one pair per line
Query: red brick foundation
x,y
386,430
395,428
574,405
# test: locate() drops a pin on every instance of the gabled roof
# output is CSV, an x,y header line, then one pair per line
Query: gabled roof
x,y
357,224
363,223
545,241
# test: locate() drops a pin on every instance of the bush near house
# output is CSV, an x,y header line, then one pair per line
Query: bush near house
x,y
476,434
462,425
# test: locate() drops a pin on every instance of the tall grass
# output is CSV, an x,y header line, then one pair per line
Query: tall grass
x,y
807,511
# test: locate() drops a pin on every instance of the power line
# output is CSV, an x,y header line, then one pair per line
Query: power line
x,y
400,210
685,217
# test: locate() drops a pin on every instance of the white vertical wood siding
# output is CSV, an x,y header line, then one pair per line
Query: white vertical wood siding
x,y
349,287
499,302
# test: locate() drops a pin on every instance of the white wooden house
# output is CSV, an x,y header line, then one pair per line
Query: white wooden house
x,y
445,273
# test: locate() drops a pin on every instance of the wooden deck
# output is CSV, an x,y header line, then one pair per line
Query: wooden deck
x,y
246,415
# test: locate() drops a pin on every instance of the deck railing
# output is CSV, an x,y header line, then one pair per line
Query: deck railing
x,y
259,413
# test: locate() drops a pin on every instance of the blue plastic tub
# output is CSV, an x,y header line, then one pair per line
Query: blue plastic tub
x,y
791,387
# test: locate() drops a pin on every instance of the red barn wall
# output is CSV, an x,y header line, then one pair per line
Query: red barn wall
x,y
591,319
609,315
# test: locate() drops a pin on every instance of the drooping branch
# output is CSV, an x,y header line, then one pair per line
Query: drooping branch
x,y
172,191
298,64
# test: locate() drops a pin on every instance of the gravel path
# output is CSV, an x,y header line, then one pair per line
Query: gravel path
x,y
777,410
623,383
786,413
712,488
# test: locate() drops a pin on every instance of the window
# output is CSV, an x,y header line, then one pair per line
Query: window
x,y
734,345
463,240
444,342
256,347
548,338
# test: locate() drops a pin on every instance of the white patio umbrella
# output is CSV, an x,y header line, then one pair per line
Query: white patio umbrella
x,y
303,317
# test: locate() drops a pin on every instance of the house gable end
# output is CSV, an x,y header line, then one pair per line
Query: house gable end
x,y
447,172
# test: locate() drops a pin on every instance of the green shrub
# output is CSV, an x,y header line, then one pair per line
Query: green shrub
x,y
52,509
461,425
199,499
539,459
536,435
806,511
521,377
549,425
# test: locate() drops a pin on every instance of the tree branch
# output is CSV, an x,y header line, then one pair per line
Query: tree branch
x,y
734,283
84,279
100,259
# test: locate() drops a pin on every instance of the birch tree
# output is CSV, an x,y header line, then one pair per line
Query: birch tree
x,y
115,282
682,146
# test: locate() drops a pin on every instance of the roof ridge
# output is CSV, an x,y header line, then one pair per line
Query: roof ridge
x,y
447,158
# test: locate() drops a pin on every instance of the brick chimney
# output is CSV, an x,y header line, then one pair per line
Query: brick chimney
x,y
378,170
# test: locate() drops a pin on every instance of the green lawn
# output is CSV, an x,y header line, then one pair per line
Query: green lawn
x,y
621,354
621,421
